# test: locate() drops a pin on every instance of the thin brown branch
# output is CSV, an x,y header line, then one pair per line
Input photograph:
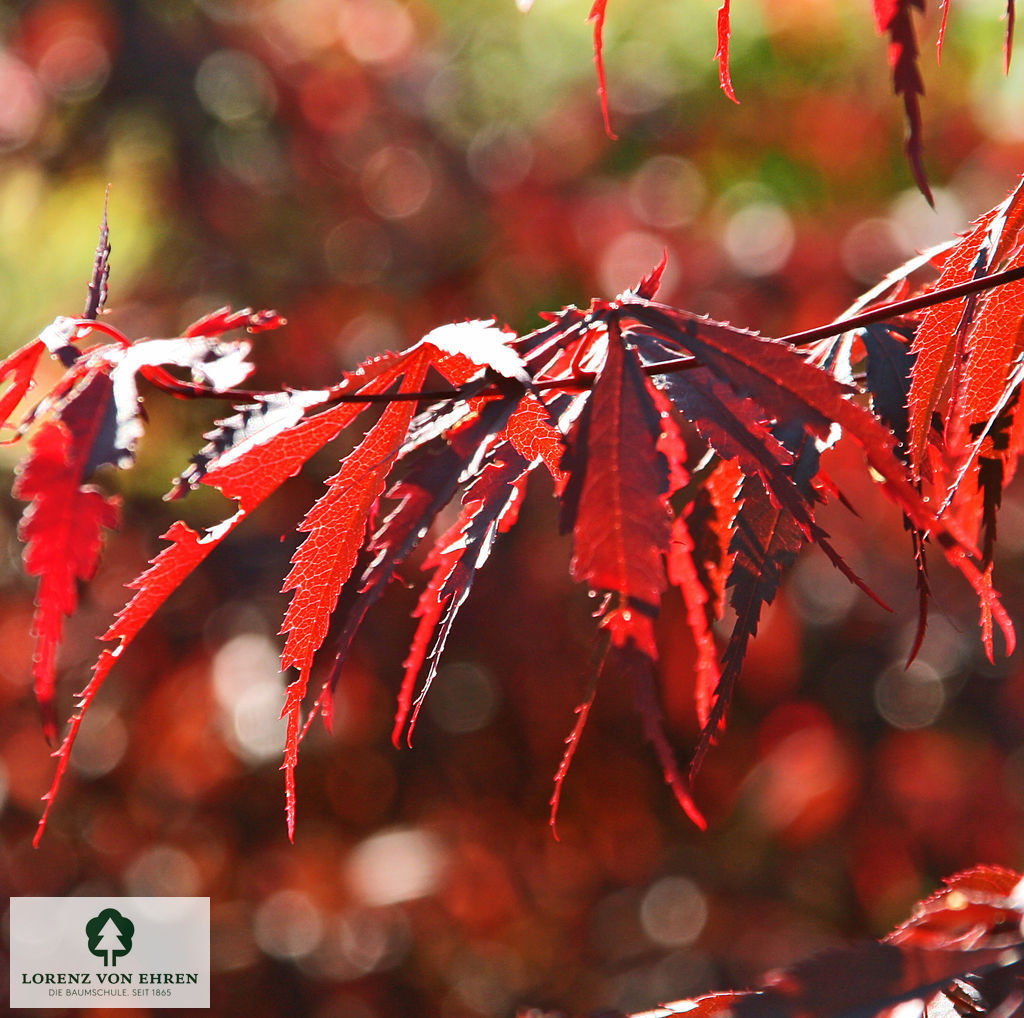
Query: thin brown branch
x,y
905,307
584,380
882,313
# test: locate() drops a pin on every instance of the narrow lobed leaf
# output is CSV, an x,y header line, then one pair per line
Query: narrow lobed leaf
x,y
336,526
490,506
941,334
615,499
62,530
433,477
597,15
724,31
895,19
248,473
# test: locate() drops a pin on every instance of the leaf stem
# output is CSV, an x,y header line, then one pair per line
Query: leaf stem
x,y
584,380
882,313
905,307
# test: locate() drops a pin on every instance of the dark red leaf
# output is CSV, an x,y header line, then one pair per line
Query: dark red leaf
x,y
490,506
923,589
732,425
765,541
433,477
799,394
98,284
638,665
1011,20
615,500
895,18
774,374
966,933
990,484
866,979
890,362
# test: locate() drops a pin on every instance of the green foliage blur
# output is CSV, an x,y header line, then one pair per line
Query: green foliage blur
x,y
373,169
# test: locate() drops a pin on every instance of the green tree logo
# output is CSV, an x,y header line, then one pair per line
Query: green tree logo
x,y
110,935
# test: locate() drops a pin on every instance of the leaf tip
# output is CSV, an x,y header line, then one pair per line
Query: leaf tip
x,y
49,725
691,810
597,14
651,283
1011,18
722,52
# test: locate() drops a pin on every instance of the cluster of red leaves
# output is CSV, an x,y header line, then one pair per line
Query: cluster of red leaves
x,y
893,18
959,953
682,451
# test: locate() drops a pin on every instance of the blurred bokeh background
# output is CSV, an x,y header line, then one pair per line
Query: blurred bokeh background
x,y
372,169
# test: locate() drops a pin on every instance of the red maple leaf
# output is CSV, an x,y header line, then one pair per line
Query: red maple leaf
x,y
616,499
490,506
724,29
602,398
895,19
965,936
63,533
337,525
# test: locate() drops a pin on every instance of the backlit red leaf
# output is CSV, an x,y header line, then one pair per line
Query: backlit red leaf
x,y
682,571
429,485
597,14
939,343
724,29
247,472
533,436
336,525
797,393
19,370
165,574
62,530
971,909
996,341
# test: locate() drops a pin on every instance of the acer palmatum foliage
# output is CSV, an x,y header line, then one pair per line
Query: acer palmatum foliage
x,y
894,19
682,451
959,953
